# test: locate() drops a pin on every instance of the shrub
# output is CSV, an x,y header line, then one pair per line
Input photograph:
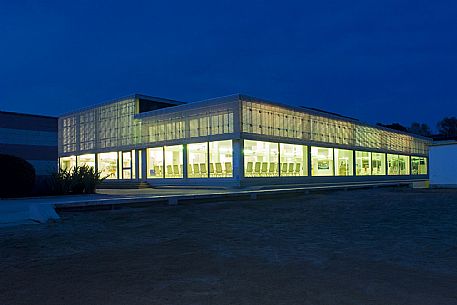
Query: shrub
x,y
17,176
60,183
77,180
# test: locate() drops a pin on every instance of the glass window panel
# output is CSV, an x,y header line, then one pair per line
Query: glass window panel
x,y
67,163
260,159
126,164
363,163
88,160
126,159
221,159
344,162
126,173
415,165
378,164
174,161
107,165
321,161
423,169
197,160
392,164
155,162
403,162
294,160
418,166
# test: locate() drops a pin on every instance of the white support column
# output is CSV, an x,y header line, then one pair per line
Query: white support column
x,y
96,162
309,161
144,164
238,164
354,163
184,161
237,118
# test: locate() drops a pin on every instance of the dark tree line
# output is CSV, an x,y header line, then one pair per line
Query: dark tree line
x,y
447,127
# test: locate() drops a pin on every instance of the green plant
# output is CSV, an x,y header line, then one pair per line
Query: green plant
x,y
60,182
17,176
90,179
77,180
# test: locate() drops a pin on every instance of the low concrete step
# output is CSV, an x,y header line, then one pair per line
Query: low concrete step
x,y
124,184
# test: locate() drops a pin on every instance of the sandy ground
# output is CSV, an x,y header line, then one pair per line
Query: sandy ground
x,y
375,246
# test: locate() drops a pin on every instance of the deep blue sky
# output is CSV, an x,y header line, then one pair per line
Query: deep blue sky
x,y
379,61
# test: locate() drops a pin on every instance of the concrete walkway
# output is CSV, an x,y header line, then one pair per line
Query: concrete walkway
x,y
43,209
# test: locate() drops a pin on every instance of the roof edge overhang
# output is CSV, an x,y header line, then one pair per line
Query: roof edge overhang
x,y
187,106
126,97
28,114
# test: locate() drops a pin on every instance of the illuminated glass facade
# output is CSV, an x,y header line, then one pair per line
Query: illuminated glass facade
x,y
261,159
155,162
221,159
363,163
173,157
418,165
378,163
344,162
88,160
67,162
197,160
322,161
238,139
294,160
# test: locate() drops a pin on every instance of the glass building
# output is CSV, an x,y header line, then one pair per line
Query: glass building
x,y
235,140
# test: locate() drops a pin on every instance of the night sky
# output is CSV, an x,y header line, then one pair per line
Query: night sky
x,y
380,61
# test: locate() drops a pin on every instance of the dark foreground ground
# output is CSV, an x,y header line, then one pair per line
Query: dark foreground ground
x,y
383,246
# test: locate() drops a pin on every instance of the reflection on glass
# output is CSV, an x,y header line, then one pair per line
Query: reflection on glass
x,y
126,159
126,165
363,163
418,166
107,165
221,158
155,162
67,163
294,160
392,165
197,160
403,164
321,161
343,162
260,159
88,160
174,161
378,163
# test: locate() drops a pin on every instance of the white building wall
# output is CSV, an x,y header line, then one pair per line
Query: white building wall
x,y
443,165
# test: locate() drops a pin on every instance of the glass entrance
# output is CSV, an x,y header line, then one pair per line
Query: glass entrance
x,y
126,165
